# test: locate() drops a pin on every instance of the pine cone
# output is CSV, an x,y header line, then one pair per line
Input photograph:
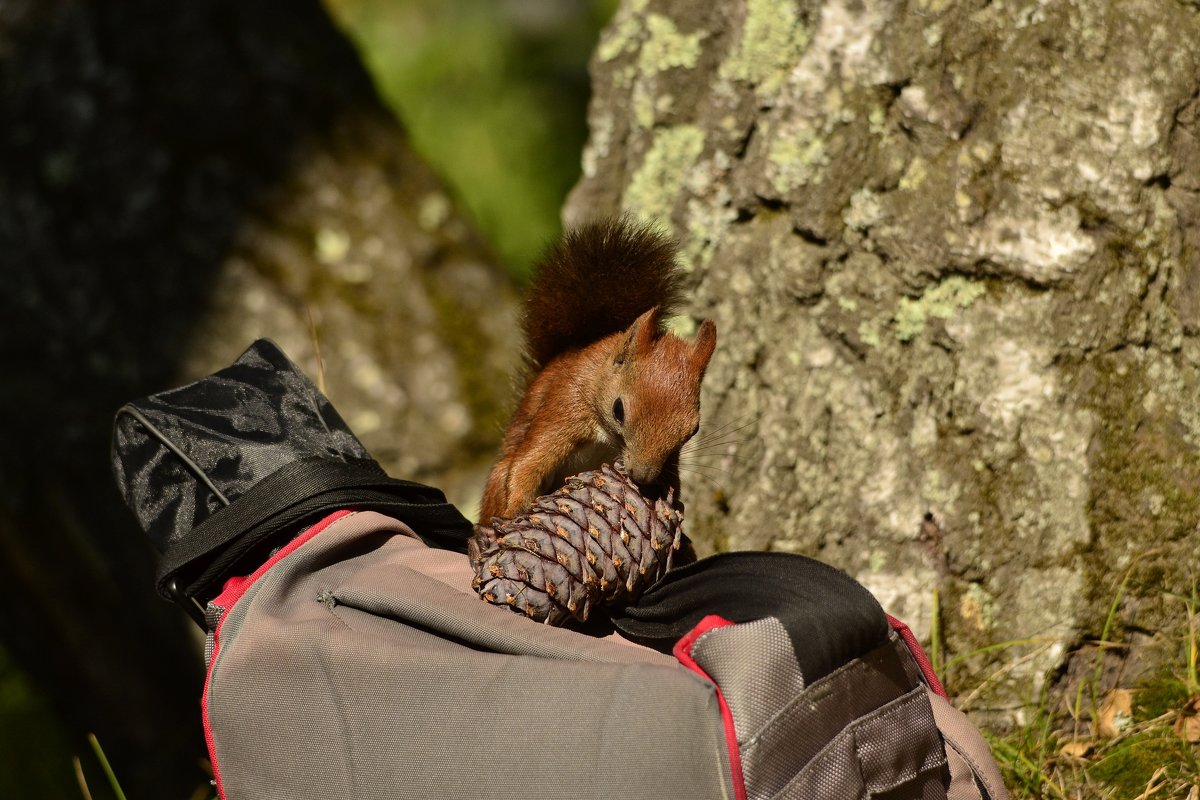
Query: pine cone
x,y
596,541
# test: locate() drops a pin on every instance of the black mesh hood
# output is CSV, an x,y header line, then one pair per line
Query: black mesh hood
x,y
222,471
182,454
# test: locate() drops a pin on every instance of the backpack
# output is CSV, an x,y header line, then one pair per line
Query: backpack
x,y
348,656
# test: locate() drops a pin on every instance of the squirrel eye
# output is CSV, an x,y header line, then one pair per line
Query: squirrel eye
x,y
619,411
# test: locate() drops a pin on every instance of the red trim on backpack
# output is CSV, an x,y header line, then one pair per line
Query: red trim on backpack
x,y
683,652
922,660
230,594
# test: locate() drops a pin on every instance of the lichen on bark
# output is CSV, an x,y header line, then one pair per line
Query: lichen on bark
x,y
951,250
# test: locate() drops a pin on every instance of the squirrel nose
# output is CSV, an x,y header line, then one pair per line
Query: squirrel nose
x,y
642,474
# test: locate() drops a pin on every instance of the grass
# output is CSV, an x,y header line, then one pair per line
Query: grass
x,y
113,783
1127,743
1146,759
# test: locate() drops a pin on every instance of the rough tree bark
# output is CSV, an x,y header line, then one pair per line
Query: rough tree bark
x,y
177,180
953,253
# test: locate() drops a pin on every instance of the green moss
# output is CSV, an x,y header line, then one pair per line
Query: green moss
x,y
1131,765
941,301
1159,696
1143,486
666,47
773,37
656,185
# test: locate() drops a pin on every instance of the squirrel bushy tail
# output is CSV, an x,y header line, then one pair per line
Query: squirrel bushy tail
x,y
605,382
597,280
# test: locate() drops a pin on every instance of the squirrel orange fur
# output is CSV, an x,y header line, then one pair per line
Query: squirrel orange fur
x,y
606,381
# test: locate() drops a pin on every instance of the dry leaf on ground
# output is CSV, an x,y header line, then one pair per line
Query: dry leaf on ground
x,y
1077,748
1187,725
1115,713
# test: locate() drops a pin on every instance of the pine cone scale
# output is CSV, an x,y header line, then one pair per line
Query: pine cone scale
x,y
596,541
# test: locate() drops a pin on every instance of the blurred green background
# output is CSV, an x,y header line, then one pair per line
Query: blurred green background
x,y
493,94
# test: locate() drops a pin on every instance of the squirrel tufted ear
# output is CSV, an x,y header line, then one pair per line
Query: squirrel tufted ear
x,y
704,344
641,334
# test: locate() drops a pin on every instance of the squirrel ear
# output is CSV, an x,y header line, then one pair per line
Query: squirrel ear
x,y
642,333
704,344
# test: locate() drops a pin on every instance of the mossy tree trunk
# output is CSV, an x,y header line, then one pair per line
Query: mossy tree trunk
x,y
178,180
953,253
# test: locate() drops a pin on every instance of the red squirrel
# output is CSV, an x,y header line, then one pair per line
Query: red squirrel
x,y
605,380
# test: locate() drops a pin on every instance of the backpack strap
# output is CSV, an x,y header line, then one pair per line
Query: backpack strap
x,y
973,770
830,619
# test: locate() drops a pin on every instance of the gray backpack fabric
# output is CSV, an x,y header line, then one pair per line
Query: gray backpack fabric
x,y
348,656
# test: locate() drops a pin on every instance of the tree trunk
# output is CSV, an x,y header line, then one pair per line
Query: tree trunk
x,y
953,255
178,180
